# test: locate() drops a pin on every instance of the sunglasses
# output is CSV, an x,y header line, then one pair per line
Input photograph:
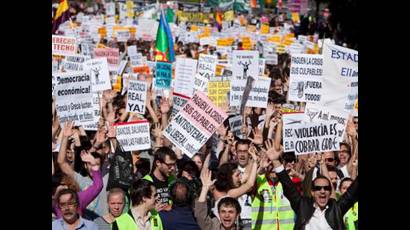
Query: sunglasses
x,y
319,188
329,159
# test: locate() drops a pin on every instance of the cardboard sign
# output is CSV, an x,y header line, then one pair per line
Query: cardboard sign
x,y
305,84
184,76
100,76
289,121
122,35
74,97
163,75
235,123
245,65
110,8
179,102
136,60
340,81
112,55
190,129
147,29
258,96
315,113
62,45
93,126
206,70
218,90
261,67
74,63
136,97
315,137
133,136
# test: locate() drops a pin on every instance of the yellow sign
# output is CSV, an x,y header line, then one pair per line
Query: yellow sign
x,y
264,29
246,43
295,17
228,15
218,92
219,70
117,85
224,42
193,16
280,49
275,38
130,9
133,29
194,28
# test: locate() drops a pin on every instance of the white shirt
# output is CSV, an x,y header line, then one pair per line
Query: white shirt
x,y
344,171
318,220
245,201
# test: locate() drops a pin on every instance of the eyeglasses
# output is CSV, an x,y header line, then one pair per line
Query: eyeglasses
x,y
170,165
319,188
68,204
329,159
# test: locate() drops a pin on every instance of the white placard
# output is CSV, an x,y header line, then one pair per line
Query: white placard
x,y
100,76
133,136
136,97
184,76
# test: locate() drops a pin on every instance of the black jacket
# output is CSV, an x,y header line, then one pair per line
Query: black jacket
x,y
303,206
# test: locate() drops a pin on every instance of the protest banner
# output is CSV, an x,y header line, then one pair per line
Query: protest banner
x,y
93,126
136,97
190,129
314,137
100,76
62,45
133,136
74,97
185,70
235,123
340,77
163,75
218,90
305,79
74,62
112,55
136,60
179,101
245,65
289,121
315,113
206,70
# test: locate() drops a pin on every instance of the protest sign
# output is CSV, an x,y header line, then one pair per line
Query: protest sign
x,y
190,129
93,126
122,11
110,8
133,136
264,29
258,96
74,97
235,123
132,50
163,75
289,121
122,35
206,70
130,9
62,45
218,90
340,77
316,113
136,59
87,49
100,77
305,80
136,97
289,108
245,65
74,62
179,101
314,137
185,70
147,29
112,55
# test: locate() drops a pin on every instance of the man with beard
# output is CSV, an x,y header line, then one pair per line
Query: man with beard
x,y
320,211
162,175
68,203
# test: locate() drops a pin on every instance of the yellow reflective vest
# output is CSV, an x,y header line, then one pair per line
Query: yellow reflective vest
x,y
126,222
271,209
351,217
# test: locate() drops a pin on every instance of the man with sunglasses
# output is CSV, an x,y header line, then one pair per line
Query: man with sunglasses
x,y
163,173
320,211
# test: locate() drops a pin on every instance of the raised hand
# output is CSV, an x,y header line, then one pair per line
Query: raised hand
x,y
112,132
206,180
157,131
350,128
164,106
68,129
257,136
271,152
101,136
88,158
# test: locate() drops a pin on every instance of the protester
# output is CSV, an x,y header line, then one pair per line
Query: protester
x,y
116,203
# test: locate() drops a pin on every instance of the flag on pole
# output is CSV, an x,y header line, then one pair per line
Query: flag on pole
x,y
62,14
218,20
164,46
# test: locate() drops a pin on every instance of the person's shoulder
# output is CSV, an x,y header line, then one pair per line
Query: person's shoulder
x,y
89,223
56,224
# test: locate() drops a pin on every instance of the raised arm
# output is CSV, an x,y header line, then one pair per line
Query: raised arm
x,y
325,172
350,197
289,187
352,134
89,194
164,108
237,192
61,159
278,133
201,208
